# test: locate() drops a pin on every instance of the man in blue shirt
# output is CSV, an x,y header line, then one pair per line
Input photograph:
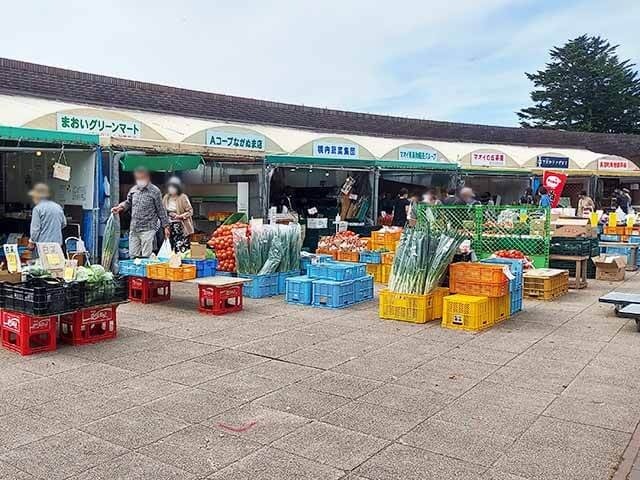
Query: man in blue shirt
x,y
47,217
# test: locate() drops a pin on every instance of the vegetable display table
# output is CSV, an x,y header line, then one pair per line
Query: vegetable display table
x,y
630,250
219,295
580,280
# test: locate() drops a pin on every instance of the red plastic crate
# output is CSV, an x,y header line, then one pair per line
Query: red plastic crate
x,y
89,325
27,334
219,300
146,290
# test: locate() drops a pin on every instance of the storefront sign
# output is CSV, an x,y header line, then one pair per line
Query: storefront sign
x,y
554,182
482,159
417,155
335,150
97,126
613,164
239,141
552,162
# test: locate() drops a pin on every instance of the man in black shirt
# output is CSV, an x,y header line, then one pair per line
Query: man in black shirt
x,y
401,208
452,198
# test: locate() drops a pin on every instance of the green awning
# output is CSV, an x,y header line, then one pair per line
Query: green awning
x,y
160,163
34,135
356,163
401,165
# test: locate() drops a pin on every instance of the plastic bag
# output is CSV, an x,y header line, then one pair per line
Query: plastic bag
x,y
165,250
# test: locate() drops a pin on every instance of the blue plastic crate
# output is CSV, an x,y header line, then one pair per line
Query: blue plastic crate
x,y
204,267
282,278
367,256
134,268
260,286
313,259
609,238
341,271
329,293
299,290
364,288
229,274
623,251
516,301
634,239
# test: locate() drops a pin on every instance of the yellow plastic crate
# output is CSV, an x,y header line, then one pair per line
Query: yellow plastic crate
x,y
466,312
380,272
406,307
438,304
500,308
162,271
545,283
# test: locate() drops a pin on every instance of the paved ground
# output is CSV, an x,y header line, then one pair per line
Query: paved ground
x,y
280,392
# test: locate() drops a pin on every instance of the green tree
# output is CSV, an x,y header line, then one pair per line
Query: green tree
x,y
585,87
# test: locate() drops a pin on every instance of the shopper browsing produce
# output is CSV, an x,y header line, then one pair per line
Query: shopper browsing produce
x,y
401,208
47,217
144,200
180,213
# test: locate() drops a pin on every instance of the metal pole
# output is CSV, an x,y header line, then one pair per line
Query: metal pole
x,y
374,200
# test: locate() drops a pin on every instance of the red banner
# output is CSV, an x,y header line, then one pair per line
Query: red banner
x,y
554,182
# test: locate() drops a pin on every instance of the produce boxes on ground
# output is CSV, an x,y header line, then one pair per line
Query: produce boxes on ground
x,y
222,242
347,245
610,267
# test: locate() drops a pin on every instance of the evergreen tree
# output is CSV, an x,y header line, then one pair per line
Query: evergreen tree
x,y
585,87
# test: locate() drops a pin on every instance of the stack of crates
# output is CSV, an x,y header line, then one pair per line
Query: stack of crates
x,y
516,267
581,246
380,272
480,297
546,283
385,239
307,260
331,285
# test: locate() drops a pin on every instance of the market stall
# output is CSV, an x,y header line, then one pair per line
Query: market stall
x,y
320,190
70,164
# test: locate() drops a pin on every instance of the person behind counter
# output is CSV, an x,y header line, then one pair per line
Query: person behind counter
x,y
47,217
145,202
180,214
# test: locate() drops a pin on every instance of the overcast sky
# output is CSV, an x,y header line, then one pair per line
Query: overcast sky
x,y
456,60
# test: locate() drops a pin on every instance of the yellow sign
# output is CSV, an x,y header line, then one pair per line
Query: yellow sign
x,y
53,259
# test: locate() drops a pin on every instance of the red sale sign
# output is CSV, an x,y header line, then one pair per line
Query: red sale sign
x,y
554,182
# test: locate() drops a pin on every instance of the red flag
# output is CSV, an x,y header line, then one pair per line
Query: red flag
x,y
554,182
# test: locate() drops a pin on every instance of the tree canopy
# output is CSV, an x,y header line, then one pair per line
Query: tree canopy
x,y
585,87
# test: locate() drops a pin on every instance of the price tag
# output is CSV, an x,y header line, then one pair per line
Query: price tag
x,y
13,258
69,274
353,196
312,211
53,259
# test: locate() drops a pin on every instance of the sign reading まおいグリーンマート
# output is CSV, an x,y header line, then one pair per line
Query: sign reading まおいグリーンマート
x,y
66,122
418,155
239,141
335,149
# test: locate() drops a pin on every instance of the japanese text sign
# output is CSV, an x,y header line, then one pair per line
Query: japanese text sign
x,y
97,126
488,159
545,161
239,141
335,150
418,155
613,164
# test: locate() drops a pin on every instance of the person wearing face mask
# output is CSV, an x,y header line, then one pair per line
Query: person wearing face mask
x,y
180,213
144,200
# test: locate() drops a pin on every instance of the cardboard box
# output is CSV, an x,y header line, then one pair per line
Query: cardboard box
x,y
573,227
6,276
610,268
198,251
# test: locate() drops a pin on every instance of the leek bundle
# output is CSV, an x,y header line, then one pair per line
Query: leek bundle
x,y
422,258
